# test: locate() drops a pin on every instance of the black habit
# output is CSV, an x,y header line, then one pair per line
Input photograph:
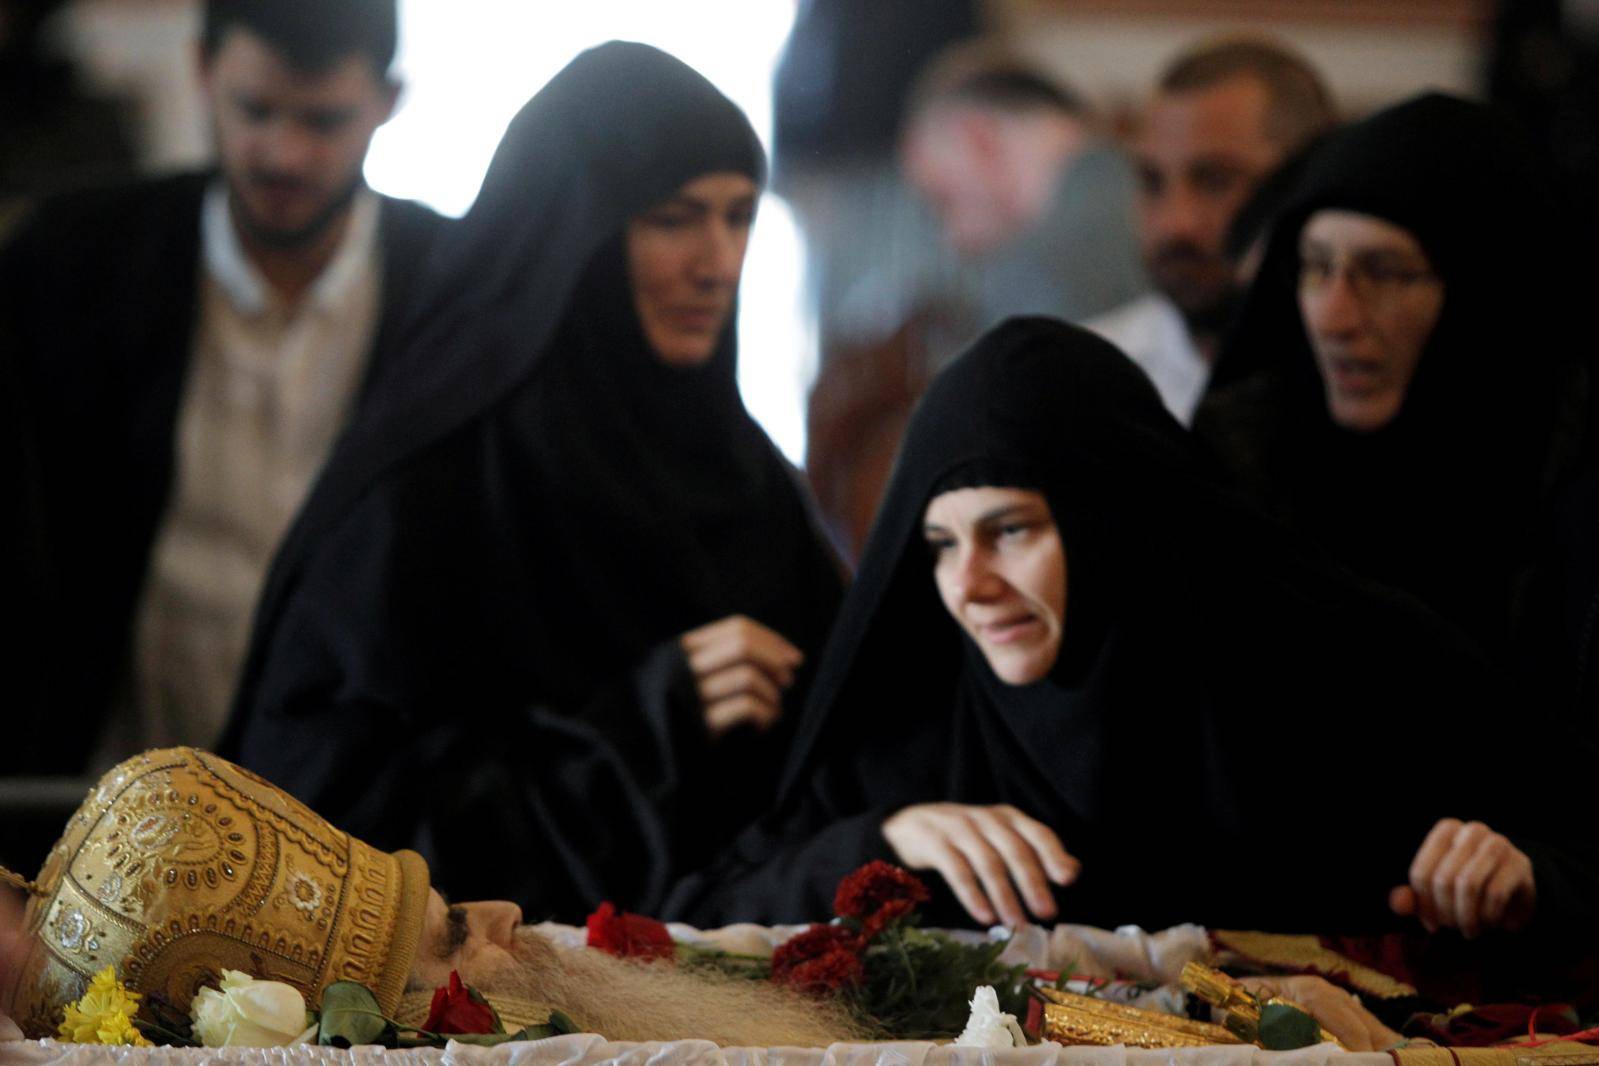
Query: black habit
x,y
468,645
99,293
1450,500
1233,732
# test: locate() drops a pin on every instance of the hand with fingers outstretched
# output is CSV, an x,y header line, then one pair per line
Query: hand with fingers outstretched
x,y
1468,877
741,669
994,859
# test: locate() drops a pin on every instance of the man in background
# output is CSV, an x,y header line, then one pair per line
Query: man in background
x,y
1014,203
1033,202
1225,115
180,356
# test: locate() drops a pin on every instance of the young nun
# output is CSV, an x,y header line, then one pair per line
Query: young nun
x,y
1076,679
545,614
1410,380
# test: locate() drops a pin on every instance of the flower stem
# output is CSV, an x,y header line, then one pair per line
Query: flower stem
x,y
398,1026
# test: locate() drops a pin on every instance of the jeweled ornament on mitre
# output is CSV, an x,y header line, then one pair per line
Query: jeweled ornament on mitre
x,y
179,865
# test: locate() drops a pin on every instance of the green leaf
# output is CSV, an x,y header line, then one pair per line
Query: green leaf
x,y
919,984
1284,1028
1064,978
351,1017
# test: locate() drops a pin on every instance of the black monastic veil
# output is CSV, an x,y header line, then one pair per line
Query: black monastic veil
x,y
467,644
1234,733
1447,501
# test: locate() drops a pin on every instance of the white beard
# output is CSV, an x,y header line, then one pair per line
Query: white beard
x,y
632,1000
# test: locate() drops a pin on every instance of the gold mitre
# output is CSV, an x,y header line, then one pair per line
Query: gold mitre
x,y
179,865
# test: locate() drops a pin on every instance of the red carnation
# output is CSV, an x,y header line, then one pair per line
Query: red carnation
x,y
458,1008
824,958
877,894
629,935
889,912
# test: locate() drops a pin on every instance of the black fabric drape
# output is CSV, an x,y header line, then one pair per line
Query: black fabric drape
x,y
1448,501
1234,733
1558,646
484,594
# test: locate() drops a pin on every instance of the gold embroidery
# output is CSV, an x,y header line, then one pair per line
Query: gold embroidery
x,y
1305,954
1074,1019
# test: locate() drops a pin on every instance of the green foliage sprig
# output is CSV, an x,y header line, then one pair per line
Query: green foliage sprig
x,y
919,984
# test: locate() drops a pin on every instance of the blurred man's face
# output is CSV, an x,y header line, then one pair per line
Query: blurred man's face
x,y
1199,156
943,160
290,143
989,177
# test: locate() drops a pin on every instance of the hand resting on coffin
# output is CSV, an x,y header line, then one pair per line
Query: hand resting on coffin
x,y
993,858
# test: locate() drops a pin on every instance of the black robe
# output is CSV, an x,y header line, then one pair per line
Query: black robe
x,y
1451,500
1577,576
1558,644
1234,733
468,645
98,300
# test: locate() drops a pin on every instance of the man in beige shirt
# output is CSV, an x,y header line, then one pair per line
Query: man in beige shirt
x,y
181,356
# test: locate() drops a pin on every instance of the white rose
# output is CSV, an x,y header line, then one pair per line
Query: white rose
x,y
249,1013
989,1027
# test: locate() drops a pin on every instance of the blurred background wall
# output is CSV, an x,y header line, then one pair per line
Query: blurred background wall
x,y
1370,50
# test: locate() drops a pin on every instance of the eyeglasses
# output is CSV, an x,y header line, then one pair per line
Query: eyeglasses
x,y
1373,276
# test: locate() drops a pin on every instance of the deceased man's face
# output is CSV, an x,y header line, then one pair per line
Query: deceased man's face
x,y
477,940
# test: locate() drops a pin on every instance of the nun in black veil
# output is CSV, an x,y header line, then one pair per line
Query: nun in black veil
x,y
1411,380
1078,679
542,616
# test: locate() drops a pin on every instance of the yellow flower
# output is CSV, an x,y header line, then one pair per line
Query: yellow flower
x,y
104,1015
117,1029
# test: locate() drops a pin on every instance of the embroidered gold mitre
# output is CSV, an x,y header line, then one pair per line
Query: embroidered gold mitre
x,y
180,864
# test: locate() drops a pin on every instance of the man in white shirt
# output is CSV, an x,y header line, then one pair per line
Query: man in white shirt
x,y
1225,115
181,355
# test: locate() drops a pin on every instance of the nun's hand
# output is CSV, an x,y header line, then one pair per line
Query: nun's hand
x,y
987,855
740,669
1470,878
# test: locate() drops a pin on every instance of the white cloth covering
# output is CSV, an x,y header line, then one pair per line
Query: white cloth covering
x,y
586,1050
